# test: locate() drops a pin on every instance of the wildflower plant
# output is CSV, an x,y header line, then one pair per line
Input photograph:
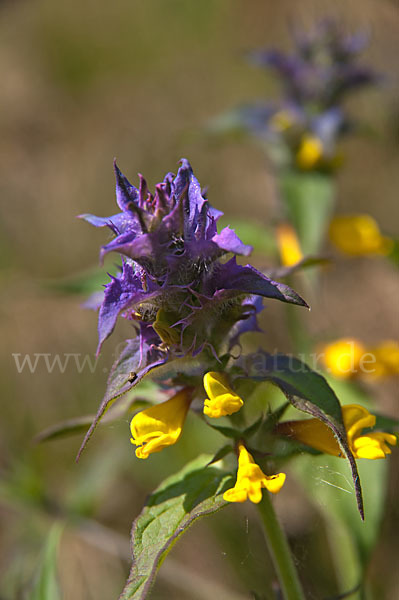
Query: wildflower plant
x,y
310,118
187,302
218,422
185,296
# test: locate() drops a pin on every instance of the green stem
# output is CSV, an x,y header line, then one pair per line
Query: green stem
x,y
280,551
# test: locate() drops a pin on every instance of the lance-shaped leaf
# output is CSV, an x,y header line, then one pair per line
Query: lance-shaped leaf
x,y
80,424
309,392
136,360
196,491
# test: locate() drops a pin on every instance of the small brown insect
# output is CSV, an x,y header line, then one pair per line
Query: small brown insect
x,y
132,377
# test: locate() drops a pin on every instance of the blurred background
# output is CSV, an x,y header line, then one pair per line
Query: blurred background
x,y
82,83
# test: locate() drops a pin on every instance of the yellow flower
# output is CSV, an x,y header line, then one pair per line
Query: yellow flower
x,y
358,235
222,400
288,244
309,153
343,358
251,480
347,357
160,425
316,434
386,359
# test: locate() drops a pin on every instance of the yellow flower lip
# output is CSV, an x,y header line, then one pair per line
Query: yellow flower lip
x,y
222,400
160,425
251,480
358,235
314,433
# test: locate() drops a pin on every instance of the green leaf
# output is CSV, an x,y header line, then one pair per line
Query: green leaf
x,y
196,491
295,378
274,417
220,454
253,428
309,392
46,586
309,201
229,432
80,424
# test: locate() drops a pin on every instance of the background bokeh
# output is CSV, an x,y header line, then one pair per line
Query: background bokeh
x,y
83,82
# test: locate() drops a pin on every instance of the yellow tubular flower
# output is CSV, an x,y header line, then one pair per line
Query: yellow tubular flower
x,y
309,153
160,425
222,399
358,235
386,359
343,357
251,480
288,245
316,434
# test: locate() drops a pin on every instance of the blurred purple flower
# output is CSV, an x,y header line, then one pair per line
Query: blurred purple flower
x,y
323,67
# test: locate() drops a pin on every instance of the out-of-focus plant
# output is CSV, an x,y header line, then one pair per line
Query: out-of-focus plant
x,y
301,129
308,121
187,302
359,235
